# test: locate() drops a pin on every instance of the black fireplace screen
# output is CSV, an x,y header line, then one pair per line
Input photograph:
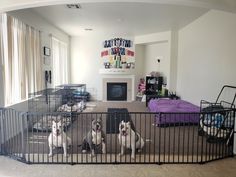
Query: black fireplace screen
x,y
116,91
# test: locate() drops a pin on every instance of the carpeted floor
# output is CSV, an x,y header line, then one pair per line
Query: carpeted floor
x,y
221,168
167,142
135,106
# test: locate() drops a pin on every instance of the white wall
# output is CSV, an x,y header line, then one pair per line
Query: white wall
x,y
139,64
207,56
156,51
160,46
86,61
31,18
173,60
1,88
153,38
22,106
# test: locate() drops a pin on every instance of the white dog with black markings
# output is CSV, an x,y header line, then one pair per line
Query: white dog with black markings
x,y
128,138
58,138
95,138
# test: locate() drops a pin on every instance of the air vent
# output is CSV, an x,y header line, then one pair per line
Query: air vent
x,y
88,29
73,6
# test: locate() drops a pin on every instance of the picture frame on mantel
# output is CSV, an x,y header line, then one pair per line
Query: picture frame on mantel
x,y
46,51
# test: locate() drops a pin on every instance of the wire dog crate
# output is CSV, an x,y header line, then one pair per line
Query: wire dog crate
x,y
178,143
59,99
49,100
74,92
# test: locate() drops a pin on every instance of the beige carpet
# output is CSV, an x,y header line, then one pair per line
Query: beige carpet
x,y
98,106
166,143
221,168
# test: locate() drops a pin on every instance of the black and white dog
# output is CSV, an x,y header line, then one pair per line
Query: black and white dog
x,y
58,138
94,138
130,139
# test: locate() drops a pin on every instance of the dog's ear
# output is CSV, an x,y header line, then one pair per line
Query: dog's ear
x,y
99,119
128,123
60,122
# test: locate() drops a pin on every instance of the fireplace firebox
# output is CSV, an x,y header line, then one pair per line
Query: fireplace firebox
x,y
116,91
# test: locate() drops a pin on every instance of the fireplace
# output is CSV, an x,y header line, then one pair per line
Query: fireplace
x,y
116,91
120,80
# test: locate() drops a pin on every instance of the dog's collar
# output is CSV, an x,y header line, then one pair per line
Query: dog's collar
x,y
124,134
96,130
55,134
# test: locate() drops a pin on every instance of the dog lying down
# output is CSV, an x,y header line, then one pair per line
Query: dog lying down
x,y
130,139
58,138
95,138
72,107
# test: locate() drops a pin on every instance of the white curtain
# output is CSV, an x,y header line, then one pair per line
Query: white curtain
x,y
60,63
34,75
3,52
21,60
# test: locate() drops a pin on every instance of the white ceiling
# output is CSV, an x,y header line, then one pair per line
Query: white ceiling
x,y
119,18
225,5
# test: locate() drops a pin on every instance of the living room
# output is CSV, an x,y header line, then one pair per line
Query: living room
x,y
167,43
191,46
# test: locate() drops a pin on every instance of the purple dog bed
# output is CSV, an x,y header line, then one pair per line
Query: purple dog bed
x,y
173,112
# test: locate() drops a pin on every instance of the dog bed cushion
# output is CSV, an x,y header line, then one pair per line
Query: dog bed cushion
x,y
185,112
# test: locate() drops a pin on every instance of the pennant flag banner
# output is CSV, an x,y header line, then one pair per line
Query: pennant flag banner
x,y
130,53
104,53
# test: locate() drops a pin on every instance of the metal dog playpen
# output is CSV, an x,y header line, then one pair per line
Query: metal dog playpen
x,y
182,142
169,144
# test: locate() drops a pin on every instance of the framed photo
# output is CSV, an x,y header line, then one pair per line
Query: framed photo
x,y
46,51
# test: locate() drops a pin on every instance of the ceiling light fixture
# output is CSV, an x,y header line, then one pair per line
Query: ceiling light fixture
x,y
88,29
73,6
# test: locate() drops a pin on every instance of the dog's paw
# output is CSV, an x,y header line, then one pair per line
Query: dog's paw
x,y
139,150
92,155
66,155
84,151
104,150
50,155
120,154
132,157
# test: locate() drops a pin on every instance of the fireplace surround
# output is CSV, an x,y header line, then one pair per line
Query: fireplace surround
x,y
127,80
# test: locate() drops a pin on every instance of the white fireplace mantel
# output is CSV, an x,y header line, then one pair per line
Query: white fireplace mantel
x,y
129,79
116,71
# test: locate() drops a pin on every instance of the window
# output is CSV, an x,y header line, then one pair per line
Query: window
x,y
60,65
21,59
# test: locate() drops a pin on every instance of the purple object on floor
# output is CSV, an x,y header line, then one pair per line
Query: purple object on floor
x,y
173,111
